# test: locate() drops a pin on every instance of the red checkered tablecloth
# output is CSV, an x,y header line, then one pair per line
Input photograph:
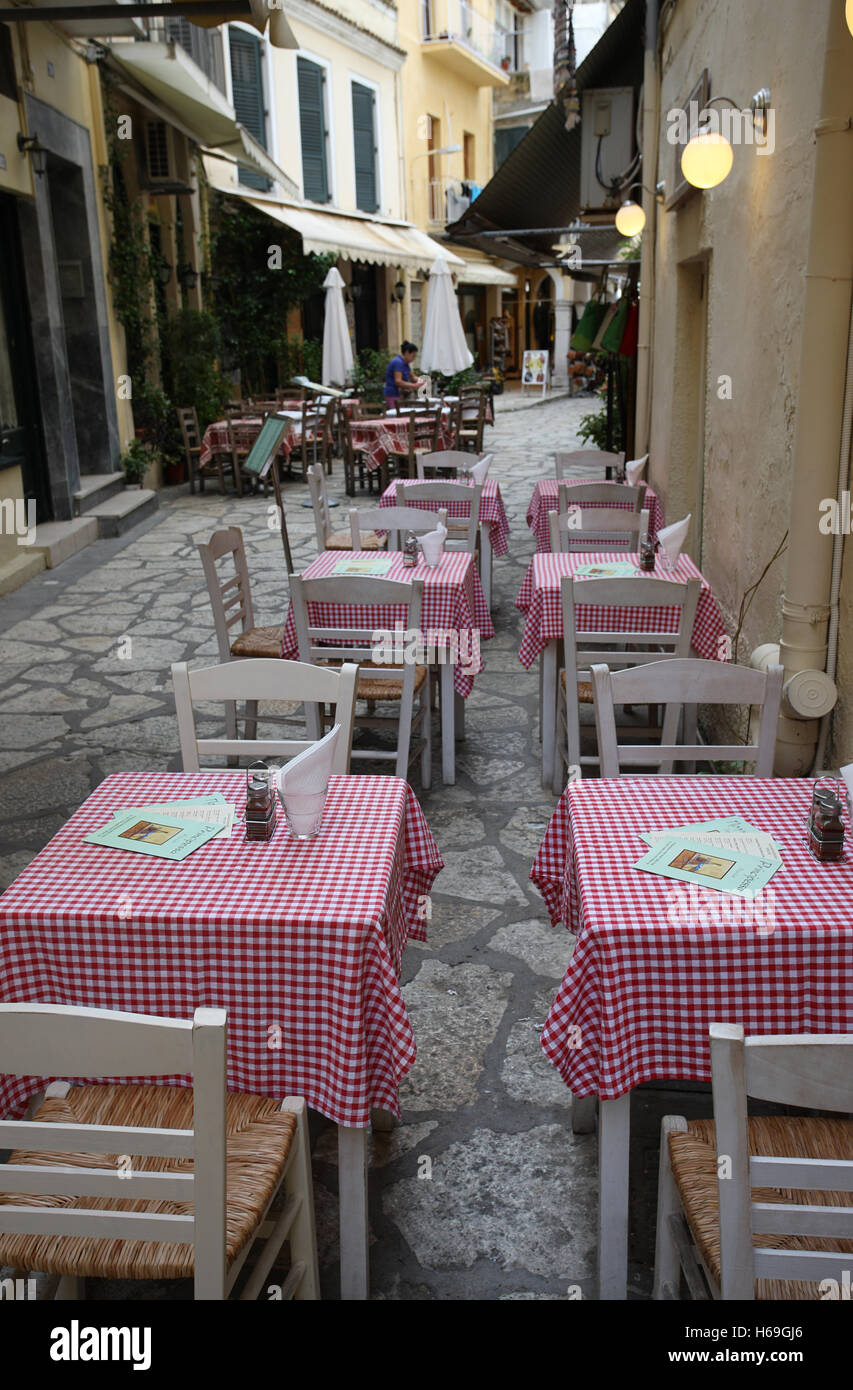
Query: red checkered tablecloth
x,y
539,597
492,511
246,431
305,937
454,603
388,434
545,499
641,990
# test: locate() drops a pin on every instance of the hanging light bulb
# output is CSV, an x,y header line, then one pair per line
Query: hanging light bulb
x,y
707,159
848,15
630,219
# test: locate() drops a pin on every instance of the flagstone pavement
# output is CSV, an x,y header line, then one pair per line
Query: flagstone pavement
x,y
482,1192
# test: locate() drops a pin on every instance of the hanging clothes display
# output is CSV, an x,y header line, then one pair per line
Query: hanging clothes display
x,y
628,346
611,339
584,335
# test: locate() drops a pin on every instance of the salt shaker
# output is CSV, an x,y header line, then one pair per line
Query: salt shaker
x,y
410,550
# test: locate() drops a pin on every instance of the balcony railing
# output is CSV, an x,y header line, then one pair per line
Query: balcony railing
x,y
446,201
204,46
459,22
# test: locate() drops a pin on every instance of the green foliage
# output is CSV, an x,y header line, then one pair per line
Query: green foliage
x,y
154,413
451,385
131,259
252,294
593,428
136,460
191,344
368,380
297,357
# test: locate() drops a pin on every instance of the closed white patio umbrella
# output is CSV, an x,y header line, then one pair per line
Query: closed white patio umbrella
x,y
444,347
337,348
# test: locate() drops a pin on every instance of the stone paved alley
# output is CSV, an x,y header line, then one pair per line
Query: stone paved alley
x,y
510,1208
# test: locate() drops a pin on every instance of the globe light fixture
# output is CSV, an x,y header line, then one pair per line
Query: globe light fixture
x,y
848,15
630,219
707,159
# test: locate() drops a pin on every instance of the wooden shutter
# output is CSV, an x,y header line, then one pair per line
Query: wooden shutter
x,y
312,122
248,94
364,139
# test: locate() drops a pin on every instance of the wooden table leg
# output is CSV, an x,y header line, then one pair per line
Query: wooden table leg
x,y
614,1136
448,726
352,1189
548,710
486,562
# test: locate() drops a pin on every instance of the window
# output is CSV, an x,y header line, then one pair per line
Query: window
x,y
247,87
8,83
469,148
364,141
312,122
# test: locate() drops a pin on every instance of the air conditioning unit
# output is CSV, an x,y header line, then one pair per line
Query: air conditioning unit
x,y
608,145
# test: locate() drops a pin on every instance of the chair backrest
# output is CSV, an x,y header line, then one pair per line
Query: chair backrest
x,y
810,1071
564,460
614,494
447,460
394,520
461,530
263,679
190,432
320,504
597,528
470,415
368,410
323,641
685,682
230,597
43,1039
423,431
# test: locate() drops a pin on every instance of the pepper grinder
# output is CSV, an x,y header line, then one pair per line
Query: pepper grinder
x,y
260,802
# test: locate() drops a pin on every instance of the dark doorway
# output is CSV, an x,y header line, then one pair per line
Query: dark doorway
x,y
543,316
20,433
363,291
79,313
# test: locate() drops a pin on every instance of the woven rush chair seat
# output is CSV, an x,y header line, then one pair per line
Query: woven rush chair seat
x,y
259,1139
693,1156
584,689
342,540
390,689
258,641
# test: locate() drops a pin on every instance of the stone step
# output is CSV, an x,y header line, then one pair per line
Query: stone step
x,y
126,509
96,488
59,540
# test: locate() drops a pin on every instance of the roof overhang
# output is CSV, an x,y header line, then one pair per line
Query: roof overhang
x,y
118,18
354,238
198,107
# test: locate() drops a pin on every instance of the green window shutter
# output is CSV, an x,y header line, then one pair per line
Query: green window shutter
x,y
248,94
312,123
364,138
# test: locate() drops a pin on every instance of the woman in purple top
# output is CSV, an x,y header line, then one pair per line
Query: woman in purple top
x,y
398,377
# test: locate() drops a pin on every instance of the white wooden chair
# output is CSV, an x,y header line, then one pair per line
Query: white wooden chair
x,y
462,531
327,539
588,645
378,683
761,1207
690,683
395,520
597,528
447,461
201,1167
264,680
565,460
581,494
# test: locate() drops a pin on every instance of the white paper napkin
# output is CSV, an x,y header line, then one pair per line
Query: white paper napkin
x,y
432,545
847,774
673,537
304,782
634,469
480,471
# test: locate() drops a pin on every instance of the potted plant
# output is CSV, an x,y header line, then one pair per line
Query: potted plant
x,y
505,62
136,460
